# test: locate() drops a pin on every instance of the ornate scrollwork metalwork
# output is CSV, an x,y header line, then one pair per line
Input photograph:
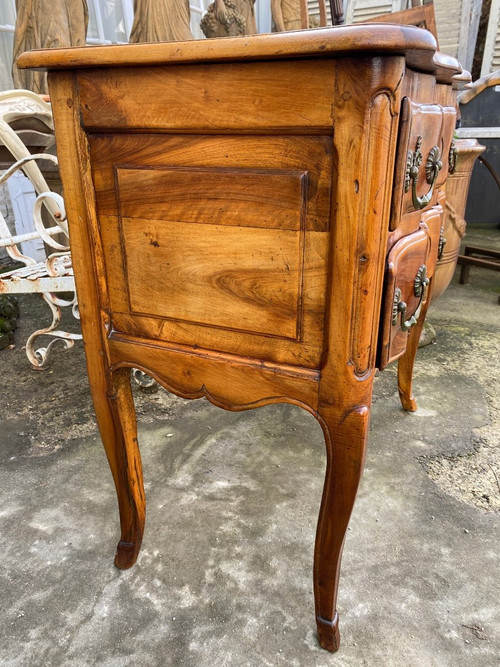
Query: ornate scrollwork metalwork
x,y
420,285
395,306
433,166
146,383
413,162
421,282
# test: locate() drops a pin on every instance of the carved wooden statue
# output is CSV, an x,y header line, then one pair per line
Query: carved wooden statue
x,y
46,24
229,18
161,21
286,15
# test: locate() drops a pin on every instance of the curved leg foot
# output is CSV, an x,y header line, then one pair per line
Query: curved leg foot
x,y
126,553
407,399
405,369
407,362
328,633
115,412
125,461
114,408
345,437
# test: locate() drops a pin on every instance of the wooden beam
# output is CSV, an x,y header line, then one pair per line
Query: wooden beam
x,y
304,14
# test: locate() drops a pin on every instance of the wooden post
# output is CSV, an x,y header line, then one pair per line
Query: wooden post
x,y
304,14
322,13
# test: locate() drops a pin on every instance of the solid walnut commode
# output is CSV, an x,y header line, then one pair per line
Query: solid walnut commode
x,y
254,220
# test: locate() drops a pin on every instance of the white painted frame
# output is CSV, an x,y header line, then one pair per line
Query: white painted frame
x,y
6,27
478,132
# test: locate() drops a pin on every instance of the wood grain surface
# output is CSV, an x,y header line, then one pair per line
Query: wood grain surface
x,y
233,206
419,47
210,97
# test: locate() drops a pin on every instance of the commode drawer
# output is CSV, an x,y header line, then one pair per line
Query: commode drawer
x,y
411,263
423,156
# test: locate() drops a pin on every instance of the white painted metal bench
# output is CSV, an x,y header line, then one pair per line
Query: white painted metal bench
x,y
53,277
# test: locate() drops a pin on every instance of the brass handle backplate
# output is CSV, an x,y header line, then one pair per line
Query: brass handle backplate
x,y
420,285
433,166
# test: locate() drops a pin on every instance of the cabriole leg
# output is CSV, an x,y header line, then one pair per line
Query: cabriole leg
x,y
407,362
345,438
119,435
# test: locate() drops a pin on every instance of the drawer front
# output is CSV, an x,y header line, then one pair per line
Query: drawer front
x,y
256,96
423,158
217,242
411,263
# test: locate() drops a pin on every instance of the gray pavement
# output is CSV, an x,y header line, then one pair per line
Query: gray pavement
x,y
225,572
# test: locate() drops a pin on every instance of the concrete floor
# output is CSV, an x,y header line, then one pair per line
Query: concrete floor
x,y
225,572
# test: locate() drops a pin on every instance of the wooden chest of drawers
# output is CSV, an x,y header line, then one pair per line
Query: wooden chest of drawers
x,y
254,220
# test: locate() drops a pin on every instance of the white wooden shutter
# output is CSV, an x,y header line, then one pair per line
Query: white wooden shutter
x,y
448,23
362,10
495,63
491,57
313,9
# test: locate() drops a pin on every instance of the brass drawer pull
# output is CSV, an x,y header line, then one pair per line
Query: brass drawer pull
x,y
420,285
433,166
